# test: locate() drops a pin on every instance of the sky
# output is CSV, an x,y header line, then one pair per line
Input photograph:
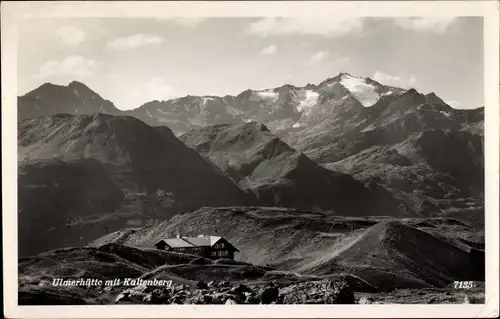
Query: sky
x,y
131,61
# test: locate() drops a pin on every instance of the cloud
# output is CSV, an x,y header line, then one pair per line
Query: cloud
x,y
394,80
189,22
318,57
156,88
385,78
342,60
272,49
75,66
134,41
70,35
425,24
329,26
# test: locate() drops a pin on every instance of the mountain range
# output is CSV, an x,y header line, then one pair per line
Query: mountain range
x,y
348,145
280,109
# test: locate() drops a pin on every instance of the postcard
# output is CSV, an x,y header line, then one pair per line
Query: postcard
x,y
277,159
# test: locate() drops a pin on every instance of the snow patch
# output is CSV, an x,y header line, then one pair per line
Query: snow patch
x,y
447,114
364,92
296,125
149,114
76,93
387,93
205,99
309,101
164,112
247,120
268,95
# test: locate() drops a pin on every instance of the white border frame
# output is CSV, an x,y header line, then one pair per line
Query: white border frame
x,y
13,12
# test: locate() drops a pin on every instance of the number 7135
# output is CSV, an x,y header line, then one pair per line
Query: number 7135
x,y
463,284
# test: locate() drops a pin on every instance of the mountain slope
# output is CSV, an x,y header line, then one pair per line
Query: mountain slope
x,y
54,194
157,173
281,176
391,120
434,173
405,253
50,99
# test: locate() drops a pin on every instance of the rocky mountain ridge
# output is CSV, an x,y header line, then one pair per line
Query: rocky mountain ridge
x,y
286,107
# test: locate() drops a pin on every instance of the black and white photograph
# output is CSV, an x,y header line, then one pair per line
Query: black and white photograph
x,y
260,160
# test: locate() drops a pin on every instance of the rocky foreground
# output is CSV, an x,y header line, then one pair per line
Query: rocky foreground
x,y
287,257
223,292
326,291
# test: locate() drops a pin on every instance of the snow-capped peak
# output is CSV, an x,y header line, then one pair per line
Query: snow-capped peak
x,y
363,91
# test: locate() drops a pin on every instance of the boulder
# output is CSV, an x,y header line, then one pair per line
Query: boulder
x,y
241,289
270,294
201,285
318,292
251,298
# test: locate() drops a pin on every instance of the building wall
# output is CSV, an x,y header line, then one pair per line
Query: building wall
x,y
221,249
200,251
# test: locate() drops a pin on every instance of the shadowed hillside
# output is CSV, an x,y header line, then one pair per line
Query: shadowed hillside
x,y
155,173
281,176
435,173
55,195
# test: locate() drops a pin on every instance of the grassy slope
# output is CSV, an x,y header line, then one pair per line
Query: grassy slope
x,y
405,251
376,249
